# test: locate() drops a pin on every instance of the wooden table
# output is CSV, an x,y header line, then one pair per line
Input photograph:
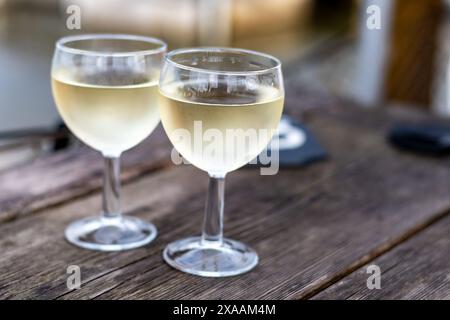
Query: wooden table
x,y
316,229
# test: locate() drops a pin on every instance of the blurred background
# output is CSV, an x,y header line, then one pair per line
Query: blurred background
x,y
324,44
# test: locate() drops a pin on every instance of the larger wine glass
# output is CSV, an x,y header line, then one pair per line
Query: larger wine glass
x,y
213,102
106,90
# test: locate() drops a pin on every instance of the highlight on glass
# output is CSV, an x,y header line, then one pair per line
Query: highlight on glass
x,y
224,90
106,90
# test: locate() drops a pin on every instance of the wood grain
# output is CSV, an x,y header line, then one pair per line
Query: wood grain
x,y
56,178
416,269
309,226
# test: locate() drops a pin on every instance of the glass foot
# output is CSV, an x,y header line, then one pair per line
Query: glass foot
x,y
210,260
110,234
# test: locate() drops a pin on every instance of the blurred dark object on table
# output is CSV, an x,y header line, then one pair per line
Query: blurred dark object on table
x,y
429,139
296,145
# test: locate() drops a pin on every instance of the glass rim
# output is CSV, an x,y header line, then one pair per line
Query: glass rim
x,y
61,44
169,55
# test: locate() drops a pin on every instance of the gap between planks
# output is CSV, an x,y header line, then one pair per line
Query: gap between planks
x,y
376,253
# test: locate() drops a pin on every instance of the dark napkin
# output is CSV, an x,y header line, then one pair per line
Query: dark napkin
x,y
431,139
297,145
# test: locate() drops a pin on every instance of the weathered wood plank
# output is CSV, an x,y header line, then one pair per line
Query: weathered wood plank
x,y
307,225
55,178
416,269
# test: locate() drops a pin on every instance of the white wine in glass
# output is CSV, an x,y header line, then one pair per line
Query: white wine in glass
x,y
236,96
110,119
256,110
105,89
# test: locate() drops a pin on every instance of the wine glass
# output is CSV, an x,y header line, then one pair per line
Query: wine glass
x,y
106,90
218,92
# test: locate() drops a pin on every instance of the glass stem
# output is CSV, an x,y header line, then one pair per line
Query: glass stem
x,y
213,221
111,188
